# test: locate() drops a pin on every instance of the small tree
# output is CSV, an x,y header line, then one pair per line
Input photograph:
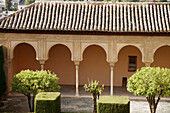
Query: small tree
x,y
31,82
95,90
150,82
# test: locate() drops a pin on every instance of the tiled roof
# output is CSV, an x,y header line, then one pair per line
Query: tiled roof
x,y
91,16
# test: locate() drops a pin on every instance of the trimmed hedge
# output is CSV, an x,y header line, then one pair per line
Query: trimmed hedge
x,y
47,102
2,73
113,104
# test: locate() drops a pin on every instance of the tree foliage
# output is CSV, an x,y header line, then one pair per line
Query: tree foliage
x,y
15,6
95,89
27,2
8,5
150,82
30,82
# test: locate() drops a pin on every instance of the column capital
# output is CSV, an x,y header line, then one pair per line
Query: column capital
x,y
42,61
147,64
112,64
9,60
76,63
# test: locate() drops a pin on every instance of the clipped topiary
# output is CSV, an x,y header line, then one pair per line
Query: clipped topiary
x,y
47,102
113,104
32,82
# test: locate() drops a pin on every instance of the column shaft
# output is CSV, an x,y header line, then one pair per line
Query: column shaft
x,y
77,80
10,76
111,81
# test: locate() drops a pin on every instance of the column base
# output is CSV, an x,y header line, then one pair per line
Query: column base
x,y
77,95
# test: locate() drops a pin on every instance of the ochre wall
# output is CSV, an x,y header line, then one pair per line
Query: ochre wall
x,y
24,58
162,57
121,67
94,66
60,63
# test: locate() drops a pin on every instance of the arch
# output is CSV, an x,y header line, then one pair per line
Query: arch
x,y
97,46
60,62
104,46
162,56
157,47
94,66
24,58
121,68
15,43
52,44
139,46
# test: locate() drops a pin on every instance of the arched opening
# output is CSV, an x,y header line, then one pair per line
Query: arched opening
x,y
60,63
24,58
94,66
162,57
129,59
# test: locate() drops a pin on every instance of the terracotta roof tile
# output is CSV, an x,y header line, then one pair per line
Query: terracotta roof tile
x,y
91,16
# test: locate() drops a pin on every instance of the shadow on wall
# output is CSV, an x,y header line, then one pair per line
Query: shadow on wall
x,y
60,63
121,68
162,57
24,58
94,66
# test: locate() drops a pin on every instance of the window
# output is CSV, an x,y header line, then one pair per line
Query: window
x,y
132,63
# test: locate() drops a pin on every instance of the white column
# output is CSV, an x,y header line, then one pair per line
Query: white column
x,y
111,81
111,77
42,62
77,78
9,78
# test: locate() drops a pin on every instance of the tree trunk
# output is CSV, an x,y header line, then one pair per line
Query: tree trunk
x,y
153,104
29,101
152,108
33,99
95,105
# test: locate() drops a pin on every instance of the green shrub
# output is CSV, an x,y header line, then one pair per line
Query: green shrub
x,y
113,104
47,102
30,82
151,82
2,73
27,2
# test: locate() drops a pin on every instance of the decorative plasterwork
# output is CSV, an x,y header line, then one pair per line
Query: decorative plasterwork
x,y
139,46
157,46
13,44
69,45
102,45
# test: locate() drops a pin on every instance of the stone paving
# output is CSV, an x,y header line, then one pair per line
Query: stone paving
x,y
85,105
143,107
70,103
19,104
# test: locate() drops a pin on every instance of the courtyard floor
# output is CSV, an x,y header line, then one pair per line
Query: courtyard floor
x,y
69,103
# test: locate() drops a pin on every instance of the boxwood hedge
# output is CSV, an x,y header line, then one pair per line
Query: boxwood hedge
x,y
47,102
113,104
